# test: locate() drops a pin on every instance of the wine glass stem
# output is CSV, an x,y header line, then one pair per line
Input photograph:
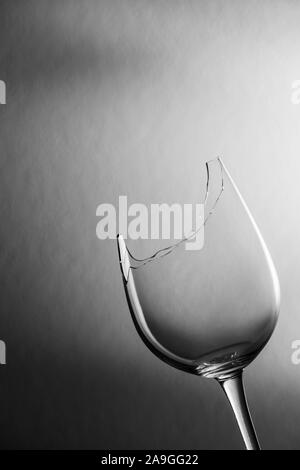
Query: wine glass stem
x,y
234,390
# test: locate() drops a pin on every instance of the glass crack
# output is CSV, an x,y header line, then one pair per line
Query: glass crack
x,y
140,262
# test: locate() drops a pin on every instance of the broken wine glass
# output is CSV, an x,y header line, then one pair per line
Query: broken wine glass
x,y
210,311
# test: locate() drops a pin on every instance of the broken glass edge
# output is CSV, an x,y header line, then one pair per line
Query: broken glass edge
x,y
162,252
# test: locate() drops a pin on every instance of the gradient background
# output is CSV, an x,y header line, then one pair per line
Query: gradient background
x,y
101,95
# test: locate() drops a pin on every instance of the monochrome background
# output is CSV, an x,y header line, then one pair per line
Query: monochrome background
x,y
104,98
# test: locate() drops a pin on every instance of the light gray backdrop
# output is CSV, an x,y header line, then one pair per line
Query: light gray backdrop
x,y
100,95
